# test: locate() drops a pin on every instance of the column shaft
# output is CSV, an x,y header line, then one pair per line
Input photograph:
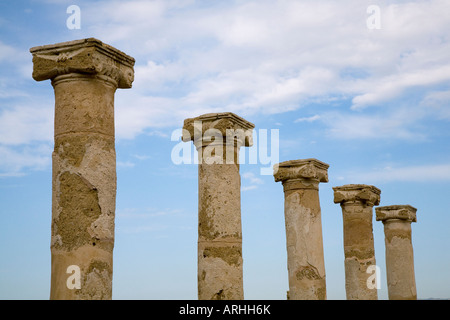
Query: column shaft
x,y
399,251
220,263
83,165
357,203
84,186
304,243
220,273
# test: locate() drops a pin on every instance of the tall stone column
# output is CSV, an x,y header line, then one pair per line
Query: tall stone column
x,y
218,138
85,75
306,266
357,201
399,251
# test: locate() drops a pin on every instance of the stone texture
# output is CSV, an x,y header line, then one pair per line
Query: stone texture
x,y
399,251
86,56
357,201
306,266
85,75
220,273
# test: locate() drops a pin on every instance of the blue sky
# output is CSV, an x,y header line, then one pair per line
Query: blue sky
x,y
372,103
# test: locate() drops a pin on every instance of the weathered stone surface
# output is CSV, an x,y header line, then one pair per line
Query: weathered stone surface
x,y
357,201
399,251
227,124
84,74
218,137
74,99
86,56
365,194
403,212
304,169
306,267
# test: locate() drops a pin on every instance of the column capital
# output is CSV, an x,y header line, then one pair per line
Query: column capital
x,y
357,193
402,212
302,169
86,56
202,129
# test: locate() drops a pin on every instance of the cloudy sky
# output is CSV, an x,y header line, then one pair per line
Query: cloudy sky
x,y
361,85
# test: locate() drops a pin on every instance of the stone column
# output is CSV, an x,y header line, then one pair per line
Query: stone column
x,y
85,75
306,267
399,251
218,137
357,201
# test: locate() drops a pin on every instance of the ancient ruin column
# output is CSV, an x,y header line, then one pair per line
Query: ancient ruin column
x,y
218,137
306,266
85,75
399,251
357,201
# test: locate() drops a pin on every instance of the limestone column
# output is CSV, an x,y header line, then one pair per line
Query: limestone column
x,y
306,266
357,201
85,75
399,251
218,138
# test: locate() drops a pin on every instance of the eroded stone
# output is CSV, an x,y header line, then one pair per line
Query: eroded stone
x,y
306,267
399,250
218,137
357,201
85,75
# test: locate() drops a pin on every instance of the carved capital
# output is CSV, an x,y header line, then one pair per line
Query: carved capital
x,y
357,193
87,56
402,212
222,128
304,169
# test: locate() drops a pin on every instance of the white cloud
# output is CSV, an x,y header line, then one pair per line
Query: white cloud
x,y
135,113
437,103
125,164
261,57
308,119
392,86
26,135
14,160
269,56
24,124
420,173
12,174
398,124
252,179
16,65
248,188
141,157
7,52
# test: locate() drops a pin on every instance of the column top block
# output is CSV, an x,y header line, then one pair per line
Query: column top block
x,y
357,192
86,56
225,123
310,169
403,212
